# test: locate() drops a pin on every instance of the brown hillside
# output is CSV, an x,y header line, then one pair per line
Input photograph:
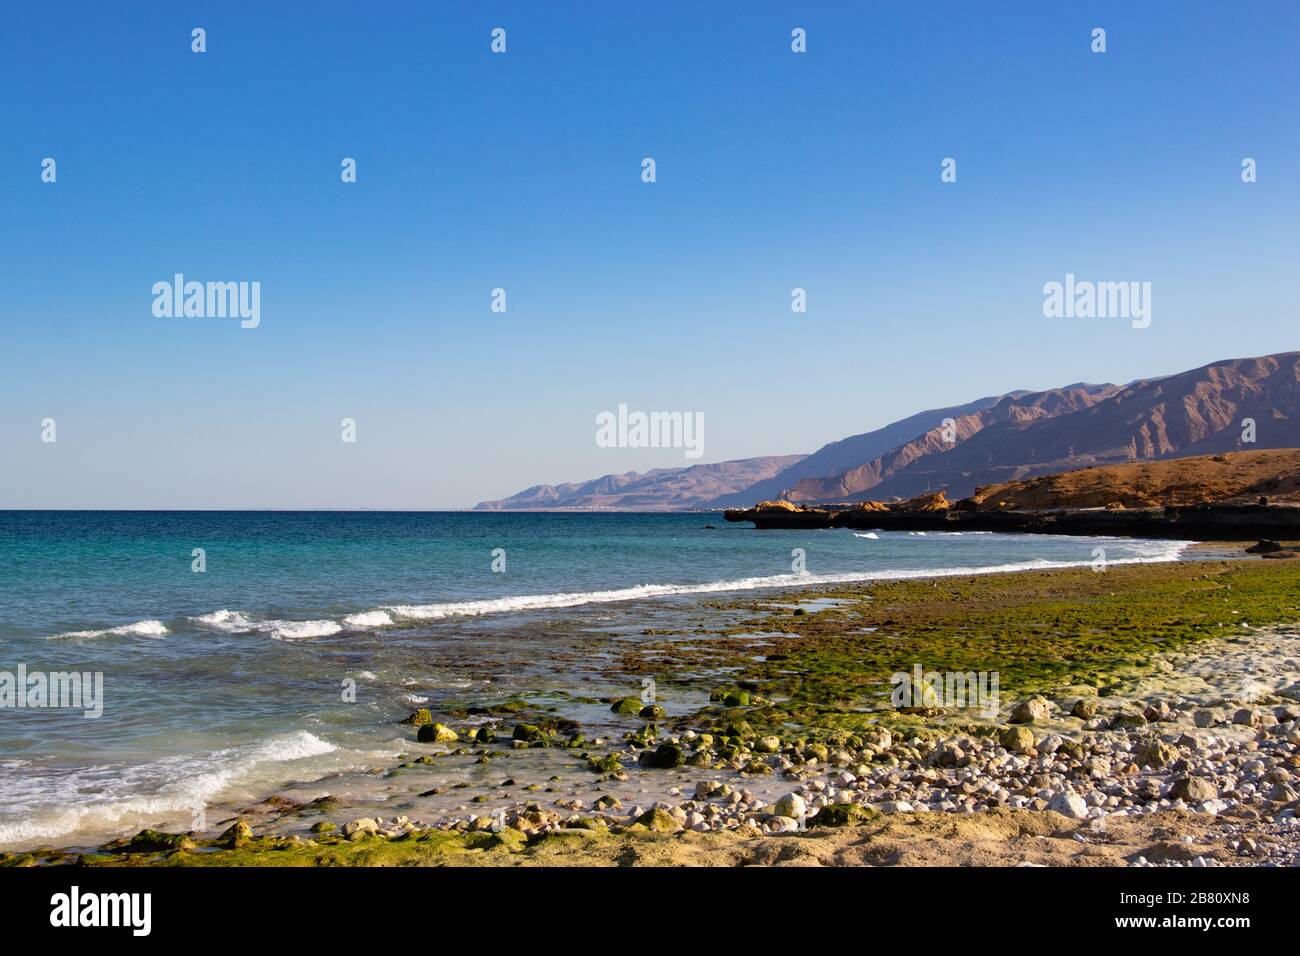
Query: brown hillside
x,y
1238,477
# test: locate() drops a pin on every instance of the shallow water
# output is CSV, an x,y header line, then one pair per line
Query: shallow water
x,y
225,685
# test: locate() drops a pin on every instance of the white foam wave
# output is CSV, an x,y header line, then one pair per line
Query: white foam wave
x,y
138,629
237,622
870,534
1149,552
368,619
187,782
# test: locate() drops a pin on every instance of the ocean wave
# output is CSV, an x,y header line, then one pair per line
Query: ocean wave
x,y
146,791
237,622
138,629
368,619
1149,552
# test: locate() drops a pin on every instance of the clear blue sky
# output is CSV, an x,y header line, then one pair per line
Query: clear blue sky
x,y
522,171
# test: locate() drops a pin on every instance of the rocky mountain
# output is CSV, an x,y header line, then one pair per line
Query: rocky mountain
x,y
1013,411
1197,412
663,489
848,453
998,439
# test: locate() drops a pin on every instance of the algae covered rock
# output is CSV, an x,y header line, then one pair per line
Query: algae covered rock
x,y
658,821
606,764
842,815
1018,740
158,841
663,757
357,829
236,834
651,712
419,718
436,733
626,706
529,734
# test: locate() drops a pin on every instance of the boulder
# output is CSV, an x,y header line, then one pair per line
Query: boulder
x,y
791,805
1192,790
1156,754
436,734
842,815
1264,547
1084,709
1018,740
1035,710
659,821
1069,805
664,757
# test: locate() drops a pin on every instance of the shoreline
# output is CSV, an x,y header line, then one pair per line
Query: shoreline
x,y
867,763
1216,522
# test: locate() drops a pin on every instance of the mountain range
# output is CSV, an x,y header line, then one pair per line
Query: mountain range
x,y
990,440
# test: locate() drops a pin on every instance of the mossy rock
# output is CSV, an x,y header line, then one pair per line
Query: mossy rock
x,y
737,698
1017,739
323,826
485,735
740,729
157,841
819,752
658,821
606,764
436,734
842,815
652,712
529,734
626,706
664,757
419,718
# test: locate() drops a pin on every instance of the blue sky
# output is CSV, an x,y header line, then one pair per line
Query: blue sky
x,y
522,171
